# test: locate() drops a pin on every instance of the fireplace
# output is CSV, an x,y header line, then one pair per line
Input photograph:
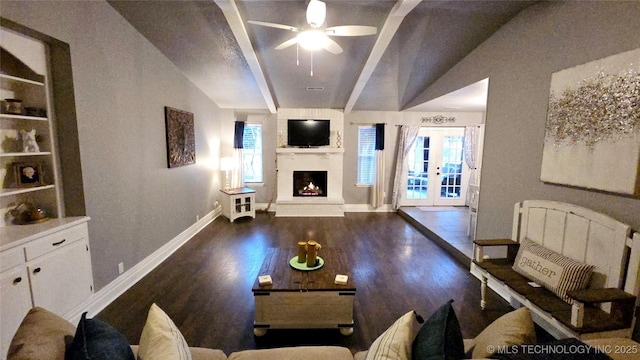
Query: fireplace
x,y
322,166
310,183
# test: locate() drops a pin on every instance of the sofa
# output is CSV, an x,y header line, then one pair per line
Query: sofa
x,y
46,336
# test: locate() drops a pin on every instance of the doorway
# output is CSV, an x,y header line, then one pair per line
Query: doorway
x,y
436,172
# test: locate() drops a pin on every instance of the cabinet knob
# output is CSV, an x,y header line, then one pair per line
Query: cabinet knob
x,y
17,280
37,270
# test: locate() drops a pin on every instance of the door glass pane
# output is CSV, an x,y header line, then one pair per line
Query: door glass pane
x,y
417,170
451,166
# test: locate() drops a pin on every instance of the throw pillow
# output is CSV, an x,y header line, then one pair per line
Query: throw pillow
x,y
554,271
42,335
161,339
513,328
97,340
440,336
395,342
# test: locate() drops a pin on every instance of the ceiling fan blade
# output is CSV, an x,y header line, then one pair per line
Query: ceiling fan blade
x,y
332,47
277,26
287,43
351,30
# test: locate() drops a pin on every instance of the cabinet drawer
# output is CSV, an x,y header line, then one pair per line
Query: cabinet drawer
x,y
10,258
55,241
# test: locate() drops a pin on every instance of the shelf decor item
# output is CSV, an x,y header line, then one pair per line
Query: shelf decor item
x,y
35,111
181,145
13,106
29,143
28,213
28,174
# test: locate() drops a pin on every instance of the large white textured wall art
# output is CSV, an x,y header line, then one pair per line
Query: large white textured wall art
x,y
592,137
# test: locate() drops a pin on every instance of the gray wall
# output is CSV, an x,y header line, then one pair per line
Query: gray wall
x,y
361,195
122,84
519,60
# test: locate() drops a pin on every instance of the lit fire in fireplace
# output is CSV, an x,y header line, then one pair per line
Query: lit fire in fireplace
x,y
310,189
310,183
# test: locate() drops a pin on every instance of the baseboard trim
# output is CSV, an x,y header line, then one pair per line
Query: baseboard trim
x,y
347,208
105,296
367,208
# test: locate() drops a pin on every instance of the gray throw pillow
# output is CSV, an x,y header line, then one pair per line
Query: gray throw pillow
x,y
440,336
96,340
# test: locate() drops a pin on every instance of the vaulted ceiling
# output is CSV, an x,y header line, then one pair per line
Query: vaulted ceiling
x,y
236,64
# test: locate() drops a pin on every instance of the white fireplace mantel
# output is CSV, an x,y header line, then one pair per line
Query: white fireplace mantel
x,y
325,158
310,160
318,150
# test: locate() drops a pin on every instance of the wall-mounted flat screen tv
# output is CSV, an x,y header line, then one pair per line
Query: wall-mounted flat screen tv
x,y
308,133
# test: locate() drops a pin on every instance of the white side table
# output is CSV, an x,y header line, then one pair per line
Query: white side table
x,y
238,202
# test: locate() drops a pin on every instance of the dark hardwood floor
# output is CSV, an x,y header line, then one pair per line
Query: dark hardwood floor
x,y
205,286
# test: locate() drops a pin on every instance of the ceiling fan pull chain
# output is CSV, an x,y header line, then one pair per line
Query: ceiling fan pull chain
x,y
297,53
311,63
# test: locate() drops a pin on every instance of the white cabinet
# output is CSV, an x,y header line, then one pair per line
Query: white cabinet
x,y
62,269
46,265
238,202
15,302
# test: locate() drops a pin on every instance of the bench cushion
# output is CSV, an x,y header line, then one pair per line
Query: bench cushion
x,y
554,271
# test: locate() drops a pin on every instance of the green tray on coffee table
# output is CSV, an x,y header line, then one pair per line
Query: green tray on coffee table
x,y
303,266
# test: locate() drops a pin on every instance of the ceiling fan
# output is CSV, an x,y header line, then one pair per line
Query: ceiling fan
x,y
315,37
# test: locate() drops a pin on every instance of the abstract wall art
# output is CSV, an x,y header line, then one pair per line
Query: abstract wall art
x,y
592,133
181,144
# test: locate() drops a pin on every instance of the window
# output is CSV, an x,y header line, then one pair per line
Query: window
x,y
366,154
252,153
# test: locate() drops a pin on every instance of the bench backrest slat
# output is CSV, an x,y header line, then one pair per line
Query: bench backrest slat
x,y
581,234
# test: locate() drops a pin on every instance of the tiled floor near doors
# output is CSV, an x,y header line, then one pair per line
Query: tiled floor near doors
x,y
447,226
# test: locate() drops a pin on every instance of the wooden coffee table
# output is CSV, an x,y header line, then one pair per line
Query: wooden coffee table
x,y
304,299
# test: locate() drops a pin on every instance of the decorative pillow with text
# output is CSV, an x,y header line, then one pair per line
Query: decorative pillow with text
x,y
554,271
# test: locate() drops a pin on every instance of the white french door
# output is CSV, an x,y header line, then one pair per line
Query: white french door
x,y
436,172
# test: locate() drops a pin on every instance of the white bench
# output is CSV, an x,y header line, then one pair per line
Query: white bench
x,y
606,308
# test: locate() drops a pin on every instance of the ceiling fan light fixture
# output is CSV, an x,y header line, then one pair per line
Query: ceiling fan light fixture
x,y
312,39
316,12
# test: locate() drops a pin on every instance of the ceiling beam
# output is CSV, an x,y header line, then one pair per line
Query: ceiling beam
x,y
388,31
231,13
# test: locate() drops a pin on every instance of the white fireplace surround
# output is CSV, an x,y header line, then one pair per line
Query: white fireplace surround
x,y
327,158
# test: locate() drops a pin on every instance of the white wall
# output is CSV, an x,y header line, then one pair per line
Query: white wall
x,y
122,84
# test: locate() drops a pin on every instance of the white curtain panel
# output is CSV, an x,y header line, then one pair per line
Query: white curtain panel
x,y
377,190
408,135
237,179
471,153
